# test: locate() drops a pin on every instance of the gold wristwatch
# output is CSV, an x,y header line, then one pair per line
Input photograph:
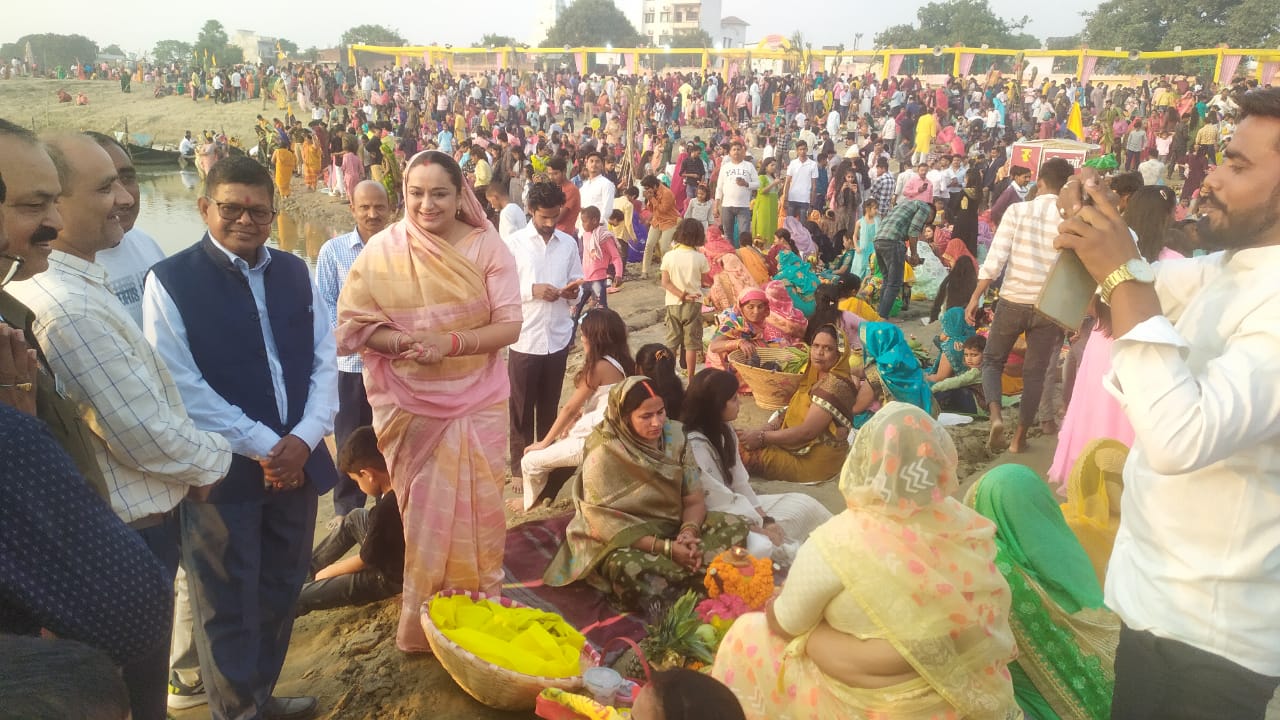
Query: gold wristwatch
x,y
1135,270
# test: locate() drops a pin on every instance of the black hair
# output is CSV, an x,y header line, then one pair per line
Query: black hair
x,y
1126,184
956,288
847,284
16,130
975,342
558,164
826,310
106,140
690,233
360,452
56,678
632,192
658,363
636,396
544,196
1150,213
689,695
500,187
650,181
616,216
709,391
608,334
1263,103
590,211
4,191
239,170
1055,172
446,161
1019,170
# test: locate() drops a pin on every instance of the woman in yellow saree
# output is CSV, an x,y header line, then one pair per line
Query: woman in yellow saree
x,y
1092,509
429,303
285,161
893,609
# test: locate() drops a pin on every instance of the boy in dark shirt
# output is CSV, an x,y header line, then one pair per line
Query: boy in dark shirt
x,y
377,571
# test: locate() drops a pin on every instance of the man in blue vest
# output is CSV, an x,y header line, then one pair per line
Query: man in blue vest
x,y
242,331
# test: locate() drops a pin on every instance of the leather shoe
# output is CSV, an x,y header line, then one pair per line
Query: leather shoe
x,y
291,708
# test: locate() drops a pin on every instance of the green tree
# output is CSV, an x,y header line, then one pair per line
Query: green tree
x,y
1065,42
491,40
52,49
213,42
167,51
372,35
968,22
311,54
593,23
112,49
288,47
1164,24
696,38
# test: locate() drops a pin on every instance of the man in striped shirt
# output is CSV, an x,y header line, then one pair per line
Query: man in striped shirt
x,y
1023,250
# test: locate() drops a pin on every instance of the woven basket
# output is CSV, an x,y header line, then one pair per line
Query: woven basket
x,y
495,686
771,390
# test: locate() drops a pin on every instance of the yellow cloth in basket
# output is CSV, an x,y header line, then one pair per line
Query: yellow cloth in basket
x,y
525,640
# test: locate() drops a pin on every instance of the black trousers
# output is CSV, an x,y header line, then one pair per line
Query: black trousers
x,y
353,412
536,381
1161,679
357,588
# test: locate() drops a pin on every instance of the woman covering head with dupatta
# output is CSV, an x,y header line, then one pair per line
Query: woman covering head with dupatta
x,y
893,609
892,369
1066,637
429,303
745,328
640,531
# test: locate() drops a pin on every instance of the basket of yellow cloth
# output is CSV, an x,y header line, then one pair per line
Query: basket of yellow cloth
x,y
503,653
773,374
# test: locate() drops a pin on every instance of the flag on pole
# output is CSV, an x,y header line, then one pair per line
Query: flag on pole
x,y
1075,122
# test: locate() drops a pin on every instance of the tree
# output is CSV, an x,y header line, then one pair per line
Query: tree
x,y
968,22
372,35
491,40
52,49
697,38
112,49
1066,42
213,43
311,54
1164,24
168,51
288,47
592,22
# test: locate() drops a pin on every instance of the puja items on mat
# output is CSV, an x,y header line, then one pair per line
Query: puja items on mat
x,y
526,640
737,572
681,639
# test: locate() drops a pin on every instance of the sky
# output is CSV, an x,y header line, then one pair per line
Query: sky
x,y
136,25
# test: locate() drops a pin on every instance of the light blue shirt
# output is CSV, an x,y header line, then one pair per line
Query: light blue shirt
x,y
332,267
164,328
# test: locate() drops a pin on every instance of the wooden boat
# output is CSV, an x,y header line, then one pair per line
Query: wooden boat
x,y
143,155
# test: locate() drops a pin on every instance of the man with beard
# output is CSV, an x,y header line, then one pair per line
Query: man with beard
x,y
32,221
148,448
1196,561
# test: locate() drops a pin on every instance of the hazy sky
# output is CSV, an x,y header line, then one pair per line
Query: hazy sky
x,y
136,26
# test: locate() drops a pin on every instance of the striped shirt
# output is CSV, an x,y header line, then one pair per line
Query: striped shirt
x,y
147,446
882,189
1024,243
333,264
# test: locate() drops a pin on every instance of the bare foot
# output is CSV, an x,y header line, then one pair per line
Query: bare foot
x,y
995,440
1019,443
1049,427
515,505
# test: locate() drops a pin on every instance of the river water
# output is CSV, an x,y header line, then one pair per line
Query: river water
x,y
169,214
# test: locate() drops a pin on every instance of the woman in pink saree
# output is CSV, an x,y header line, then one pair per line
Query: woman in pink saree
x,y
428,304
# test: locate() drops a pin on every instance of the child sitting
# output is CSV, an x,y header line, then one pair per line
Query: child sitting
x,y
377,572
955,393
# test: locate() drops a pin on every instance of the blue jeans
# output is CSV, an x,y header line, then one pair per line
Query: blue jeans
x,y
798,210
890,254
734,220
598,288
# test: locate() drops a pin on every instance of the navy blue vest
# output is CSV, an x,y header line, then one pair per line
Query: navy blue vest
x,y
225,337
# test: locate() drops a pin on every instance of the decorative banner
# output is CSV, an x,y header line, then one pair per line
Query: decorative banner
x,y
629,63
1229,65
895,64
966,63
1269,71
582,63
733,70
815,65
1090,62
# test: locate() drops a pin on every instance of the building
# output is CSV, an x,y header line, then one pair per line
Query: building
x,y
548,13
733,32
663,21
257,48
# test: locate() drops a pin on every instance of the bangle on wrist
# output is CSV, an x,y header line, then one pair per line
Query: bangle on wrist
x,y
695,527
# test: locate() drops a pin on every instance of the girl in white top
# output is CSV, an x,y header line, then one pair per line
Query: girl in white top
x,y
607,360
779,523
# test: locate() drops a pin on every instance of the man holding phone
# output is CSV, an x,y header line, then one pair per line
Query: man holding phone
x,y
1023,250
1196,563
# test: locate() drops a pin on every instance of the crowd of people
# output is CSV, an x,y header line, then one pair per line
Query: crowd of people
x,y
186,438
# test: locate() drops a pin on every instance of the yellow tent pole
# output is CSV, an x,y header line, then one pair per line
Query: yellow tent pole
x,y
955,61
351,56
1217,67
1080,64
706,58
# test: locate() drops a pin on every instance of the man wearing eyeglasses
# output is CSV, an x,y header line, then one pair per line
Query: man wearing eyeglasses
x,y
243,332
149,450
32,221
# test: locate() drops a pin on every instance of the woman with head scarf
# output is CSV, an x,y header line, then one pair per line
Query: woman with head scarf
x,y
892,370
950,342
746,328
892,609
1094,490
807,441
429,303
640,531
1066,637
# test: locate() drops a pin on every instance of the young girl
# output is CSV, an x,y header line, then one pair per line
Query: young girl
x,y
778,523
844,263
607,360
656,362
701,207
864,233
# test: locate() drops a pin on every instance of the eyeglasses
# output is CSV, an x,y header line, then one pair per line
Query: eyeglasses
x,y
15,264
232,212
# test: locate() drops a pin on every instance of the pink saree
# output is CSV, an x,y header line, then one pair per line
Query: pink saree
x,y
442,427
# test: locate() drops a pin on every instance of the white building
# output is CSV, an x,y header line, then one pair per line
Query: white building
x,y
662,20
548,13
257,48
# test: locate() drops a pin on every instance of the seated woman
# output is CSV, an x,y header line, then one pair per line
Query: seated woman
x,y
753,259
894,608
778,523
950,341
891,370
656,362
606,360
730,278
800,280
958,286
1094,491
1066,637
748,329
962,392
807,441
640,531
826,311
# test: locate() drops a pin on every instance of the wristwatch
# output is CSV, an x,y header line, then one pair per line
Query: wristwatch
x,y
1135,270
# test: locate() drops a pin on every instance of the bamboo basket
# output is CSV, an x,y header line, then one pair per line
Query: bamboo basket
x,y
490,684
771,389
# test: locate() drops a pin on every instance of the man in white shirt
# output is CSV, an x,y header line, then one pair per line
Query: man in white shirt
x,y
150,451
938,181
550,268
597,190
736,182
1023,250
1196,564
511,217
802,176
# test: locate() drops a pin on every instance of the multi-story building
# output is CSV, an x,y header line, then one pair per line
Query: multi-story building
x,y
662,21
257,48
548,13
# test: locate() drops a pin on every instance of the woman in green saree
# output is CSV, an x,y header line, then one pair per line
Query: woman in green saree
x,y
1066,637
641,531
